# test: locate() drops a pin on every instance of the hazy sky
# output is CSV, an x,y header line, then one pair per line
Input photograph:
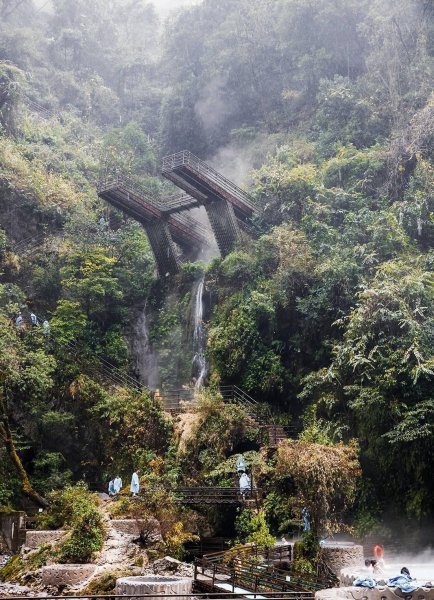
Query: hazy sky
x,y
163,6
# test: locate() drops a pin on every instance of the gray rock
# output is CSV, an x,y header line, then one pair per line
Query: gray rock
x,y
103,496
171,565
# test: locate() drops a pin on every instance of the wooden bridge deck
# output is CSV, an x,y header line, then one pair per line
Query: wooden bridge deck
x,y
208,495
204,183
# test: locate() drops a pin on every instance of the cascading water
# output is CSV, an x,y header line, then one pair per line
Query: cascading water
x,y
199,338
144,357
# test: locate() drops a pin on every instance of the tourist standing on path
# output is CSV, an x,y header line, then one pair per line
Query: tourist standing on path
x,y
306,520
245,485
117,484
135,485
241,465
111,488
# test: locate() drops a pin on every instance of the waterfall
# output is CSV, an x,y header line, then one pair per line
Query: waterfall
x,y
199,338
144,357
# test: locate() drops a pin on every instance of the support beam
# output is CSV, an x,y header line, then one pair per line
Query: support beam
x,y
224,225
163,247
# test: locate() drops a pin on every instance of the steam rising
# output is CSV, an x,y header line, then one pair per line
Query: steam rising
x,y
212,108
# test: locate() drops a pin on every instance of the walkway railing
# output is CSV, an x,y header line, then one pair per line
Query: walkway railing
x,y
41,111
166,594
252,568
202,495
170,206
271,433
186,158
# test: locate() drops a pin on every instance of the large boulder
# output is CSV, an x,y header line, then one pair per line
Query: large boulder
x,y
169,565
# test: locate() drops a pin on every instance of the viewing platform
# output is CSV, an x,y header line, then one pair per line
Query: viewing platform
x,y
226,204
205,184
161,221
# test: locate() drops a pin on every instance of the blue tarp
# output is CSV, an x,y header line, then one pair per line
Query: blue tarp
x,y
367,582
404,582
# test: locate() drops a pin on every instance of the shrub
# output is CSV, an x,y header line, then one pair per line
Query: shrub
x,y
75,507
252,528
105,583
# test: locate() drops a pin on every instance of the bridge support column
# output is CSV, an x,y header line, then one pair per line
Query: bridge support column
x,y
163,247
224,225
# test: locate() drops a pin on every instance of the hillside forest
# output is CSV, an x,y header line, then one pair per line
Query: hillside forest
x,y
323,112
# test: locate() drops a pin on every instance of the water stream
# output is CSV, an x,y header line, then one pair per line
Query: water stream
x,y
145,359
199,338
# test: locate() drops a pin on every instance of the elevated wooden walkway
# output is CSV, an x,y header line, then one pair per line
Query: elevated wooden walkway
x,y
161,222
229,209
225,203
204,183
201,496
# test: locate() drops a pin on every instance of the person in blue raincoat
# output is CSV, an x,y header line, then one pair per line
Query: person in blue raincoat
x,y
117,484
306,519
241,465
111,488
245,484
135,484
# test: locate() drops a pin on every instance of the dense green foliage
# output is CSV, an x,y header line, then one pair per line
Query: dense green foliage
x,y
76,509
325,111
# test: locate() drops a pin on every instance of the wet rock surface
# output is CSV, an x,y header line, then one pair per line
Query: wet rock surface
x,y
155,584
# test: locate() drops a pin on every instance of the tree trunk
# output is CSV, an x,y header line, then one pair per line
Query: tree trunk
x,y
26,487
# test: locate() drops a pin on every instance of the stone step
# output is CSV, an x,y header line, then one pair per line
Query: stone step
x,y
36,539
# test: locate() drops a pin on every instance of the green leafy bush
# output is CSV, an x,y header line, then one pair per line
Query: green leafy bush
x,y
75,507
252,528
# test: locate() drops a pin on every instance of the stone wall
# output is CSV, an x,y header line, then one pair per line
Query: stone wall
x,y
12,530
66,575
35,539
338,557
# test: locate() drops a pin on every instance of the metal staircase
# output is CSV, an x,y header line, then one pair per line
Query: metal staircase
x,y
271,433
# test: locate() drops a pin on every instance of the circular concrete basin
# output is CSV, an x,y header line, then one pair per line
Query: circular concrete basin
x,y
154,584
